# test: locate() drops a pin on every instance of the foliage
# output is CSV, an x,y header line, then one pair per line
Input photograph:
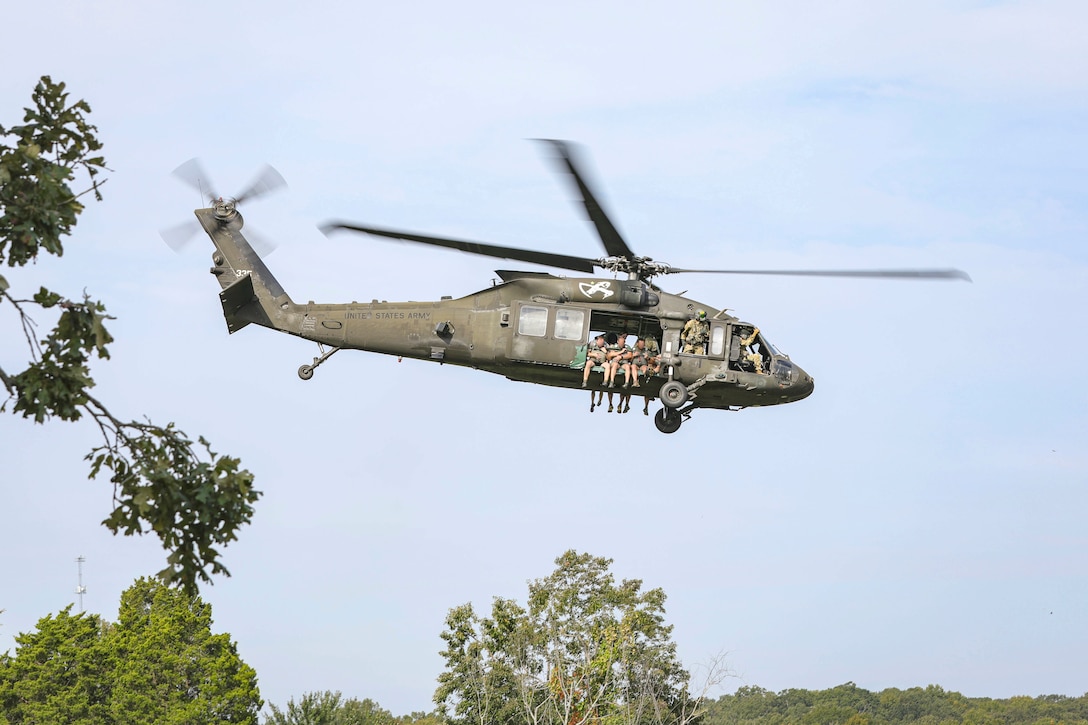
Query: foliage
x,y
193,499
159,663
585,649
849,704
38,206
60,672
186,673
329,708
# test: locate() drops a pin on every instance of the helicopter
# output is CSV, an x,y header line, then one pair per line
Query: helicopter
x,y
533,327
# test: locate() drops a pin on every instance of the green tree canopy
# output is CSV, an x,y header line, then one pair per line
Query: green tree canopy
x,y
584,649
61,672
160,663
330,708
849,704
193,499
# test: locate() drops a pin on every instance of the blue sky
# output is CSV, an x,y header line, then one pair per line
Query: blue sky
x,y
917,520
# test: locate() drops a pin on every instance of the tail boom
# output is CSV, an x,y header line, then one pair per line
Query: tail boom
x,y
250,293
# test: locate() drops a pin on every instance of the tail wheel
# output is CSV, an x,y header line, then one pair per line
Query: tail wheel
x,y
668,421
673,394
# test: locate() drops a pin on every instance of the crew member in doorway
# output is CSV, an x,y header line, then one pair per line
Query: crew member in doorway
x,y
695,334
752,356
595,355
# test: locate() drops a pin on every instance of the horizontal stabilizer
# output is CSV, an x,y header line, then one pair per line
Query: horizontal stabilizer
x,y
235,297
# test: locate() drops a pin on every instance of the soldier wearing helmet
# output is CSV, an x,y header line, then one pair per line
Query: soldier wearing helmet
x,y
749,353
695,334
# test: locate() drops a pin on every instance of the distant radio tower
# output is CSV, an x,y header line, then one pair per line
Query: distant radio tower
x,y
80,590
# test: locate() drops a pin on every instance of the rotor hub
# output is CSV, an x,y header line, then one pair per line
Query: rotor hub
x,y
224,209
644,268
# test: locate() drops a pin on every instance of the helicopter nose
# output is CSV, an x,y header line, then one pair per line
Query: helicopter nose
x,y
803,384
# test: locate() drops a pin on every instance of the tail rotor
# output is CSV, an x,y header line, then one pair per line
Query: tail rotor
x,y
192,174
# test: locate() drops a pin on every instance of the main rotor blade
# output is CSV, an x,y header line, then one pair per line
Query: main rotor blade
x,y
613,242
267,181
563,261
860,273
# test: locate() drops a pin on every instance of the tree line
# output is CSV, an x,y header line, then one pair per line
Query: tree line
x,y
583,650
849,704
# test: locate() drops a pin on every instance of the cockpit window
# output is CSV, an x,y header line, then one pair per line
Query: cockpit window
x,y
783,370
750,351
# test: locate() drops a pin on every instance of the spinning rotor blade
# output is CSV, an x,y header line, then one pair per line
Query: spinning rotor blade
x,y
176,237
613,242
562,261
859,273
267,181
193,174
260,243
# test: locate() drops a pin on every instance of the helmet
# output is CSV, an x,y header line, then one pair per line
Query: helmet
x,y
701,314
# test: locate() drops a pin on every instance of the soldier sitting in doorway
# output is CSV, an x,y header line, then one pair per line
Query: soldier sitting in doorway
x,y
640,361
596,354
618,355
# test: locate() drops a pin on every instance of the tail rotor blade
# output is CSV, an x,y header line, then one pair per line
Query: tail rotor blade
x,y
193,174
260,243
267,181
179,235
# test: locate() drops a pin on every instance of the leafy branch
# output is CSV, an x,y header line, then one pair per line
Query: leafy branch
x,y
54,142
192,498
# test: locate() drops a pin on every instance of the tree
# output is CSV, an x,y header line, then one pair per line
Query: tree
x,y
585,649
192,498
329,708
314,708
159,663
185,674
60,674
913,704
483,658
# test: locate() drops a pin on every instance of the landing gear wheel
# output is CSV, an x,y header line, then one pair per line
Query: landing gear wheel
x,y
307,371
673,394
668,421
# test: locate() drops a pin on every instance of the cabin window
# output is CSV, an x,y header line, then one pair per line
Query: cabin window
x,y
533,321
569,324
717,340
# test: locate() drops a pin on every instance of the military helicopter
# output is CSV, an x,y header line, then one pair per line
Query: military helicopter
x,y
533,326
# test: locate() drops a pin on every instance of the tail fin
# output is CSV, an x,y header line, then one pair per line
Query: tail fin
x,y
249,291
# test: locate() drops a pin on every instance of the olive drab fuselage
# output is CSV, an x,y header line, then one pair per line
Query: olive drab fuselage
x,y
534,327
529,327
